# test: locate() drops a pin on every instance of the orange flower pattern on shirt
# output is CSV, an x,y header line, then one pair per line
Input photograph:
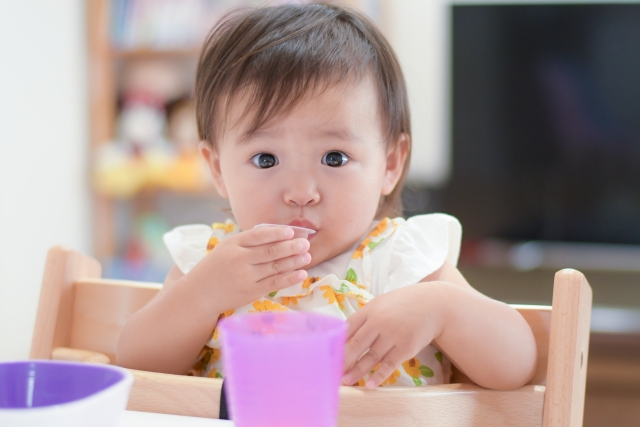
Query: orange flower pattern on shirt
x,y
309,281
332,296
212,243
265,305
358,253
215,355
378,229
415,370
228,227
392,379
290,300
207,356
214,374
412,367
227,313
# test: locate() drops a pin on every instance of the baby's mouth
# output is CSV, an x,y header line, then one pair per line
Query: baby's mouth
x,y
304,223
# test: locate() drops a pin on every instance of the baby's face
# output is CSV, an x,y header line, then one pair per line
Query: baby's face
x,y
322,166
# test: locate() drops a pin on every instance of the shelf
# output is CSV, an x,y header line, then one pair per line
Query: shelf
x,y
551,255
207,192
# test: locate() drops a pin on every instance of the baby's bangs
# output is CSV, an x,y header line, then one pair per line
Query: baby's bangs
x,y
280,59
279,76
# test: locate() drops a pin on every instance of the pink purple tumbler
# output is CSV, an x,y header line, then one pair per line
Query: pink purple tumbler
x,y
283,368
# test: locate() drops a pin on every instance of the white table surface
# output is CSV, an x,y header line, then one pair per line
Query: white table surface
x,y
150,419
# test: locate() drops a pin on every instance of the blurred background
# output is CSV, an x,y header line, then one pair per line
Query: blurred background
x,y
526,127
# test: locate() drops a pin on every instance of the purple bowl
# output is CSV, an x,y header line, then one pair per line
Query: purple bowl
x,y
74,392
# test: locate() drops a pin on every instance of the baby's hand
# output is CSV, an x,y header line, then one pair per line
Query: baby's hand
x,y
250,265
394,327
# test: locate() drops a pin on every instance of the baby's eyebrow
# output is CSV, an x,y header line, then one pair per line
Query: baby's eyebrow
x,y
247,136
341,133
344,134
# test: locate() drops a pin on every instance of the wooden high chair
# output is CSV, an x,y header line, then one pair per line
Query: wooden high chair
x,y
80,317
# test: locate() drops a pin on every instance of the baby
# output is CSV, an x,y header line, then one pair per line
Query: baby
x,y
304,121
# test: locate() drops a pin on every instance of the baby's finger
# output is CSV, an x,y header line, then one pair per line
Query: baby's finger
x,y
283,265
358,344
281,281
368,361
263,235
387,366
355,322
278,250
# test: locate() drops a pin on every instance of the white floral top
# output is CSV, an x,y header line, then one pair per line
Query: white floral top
x,y
395,253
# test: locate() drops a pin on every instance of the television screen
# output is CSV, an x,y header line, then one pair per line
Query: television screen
x,y
546,122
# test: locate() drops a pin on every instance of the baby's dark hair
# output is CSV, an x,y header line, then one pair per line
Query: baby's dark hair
x,y
275,56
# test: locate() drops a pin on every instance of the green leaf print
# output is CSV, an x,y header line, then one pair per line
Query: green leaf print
x,y
351,276
206,358
374,244
439,356
417,381
273,294
343,289
218,375
426,371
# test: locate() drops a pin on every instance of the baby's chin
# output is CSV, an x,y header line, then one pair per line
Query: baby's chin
x,y
321,253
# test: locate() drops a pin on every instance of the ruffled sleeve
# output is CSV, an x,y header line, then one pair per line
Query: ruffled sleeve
x,y
187,245
418,248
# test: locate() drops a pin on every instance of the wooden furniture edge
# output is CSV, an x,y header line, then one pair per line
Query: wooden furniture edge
x,y
175,394
63,267
442,405
78,355
568,347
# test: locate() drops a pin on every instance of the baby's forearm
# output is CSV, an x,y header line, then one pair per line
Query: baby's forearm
x,y
167,334
488,340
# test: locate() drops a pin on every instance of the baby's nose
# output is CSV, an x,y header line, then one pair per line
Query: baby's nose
x,y
302,191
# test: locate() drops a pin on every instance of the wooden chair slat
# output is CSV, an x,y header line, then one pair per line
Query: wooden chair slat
x,y
101,309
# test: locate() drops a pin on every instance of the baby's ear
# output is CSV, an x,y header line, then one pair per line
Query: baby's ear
x,y
212,158
396,157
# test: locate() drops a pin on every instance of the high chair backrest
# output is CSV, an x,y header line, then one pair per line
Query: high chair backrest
x,y
80,316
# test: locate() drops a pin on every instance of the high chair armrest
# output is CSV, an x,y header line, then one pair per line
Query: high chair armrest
x,y
175,394
77,355
464,405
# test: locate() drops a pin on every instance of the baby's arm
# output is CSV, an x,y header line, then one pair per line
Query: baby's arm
x,y
167,334
488,340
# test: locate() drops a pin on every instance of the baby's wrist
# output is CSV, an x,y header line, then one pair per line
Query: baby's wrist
x,y
440,300
200,294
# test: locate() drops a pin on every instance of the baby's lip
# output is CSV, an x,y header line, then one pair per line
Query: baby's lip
x,y
305,223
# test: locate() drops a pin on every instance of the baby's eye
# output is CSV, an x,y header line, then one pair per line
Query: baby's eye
x,y
334,159
264,160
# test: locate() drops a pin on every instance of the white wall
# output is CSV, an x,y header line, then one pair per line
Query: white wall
x,y
418,31
43,150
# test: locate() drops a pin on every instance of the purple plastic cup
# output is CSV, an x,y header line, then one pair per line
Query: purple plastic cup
x,y
283,368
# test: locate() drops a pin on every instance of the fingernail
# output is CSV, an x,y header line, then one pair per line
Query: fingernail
x,y
369,384
306,258
303,245
347,380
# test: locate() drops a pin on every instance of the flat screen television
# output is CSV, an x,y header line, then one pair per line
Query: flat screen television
x,y
545,123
